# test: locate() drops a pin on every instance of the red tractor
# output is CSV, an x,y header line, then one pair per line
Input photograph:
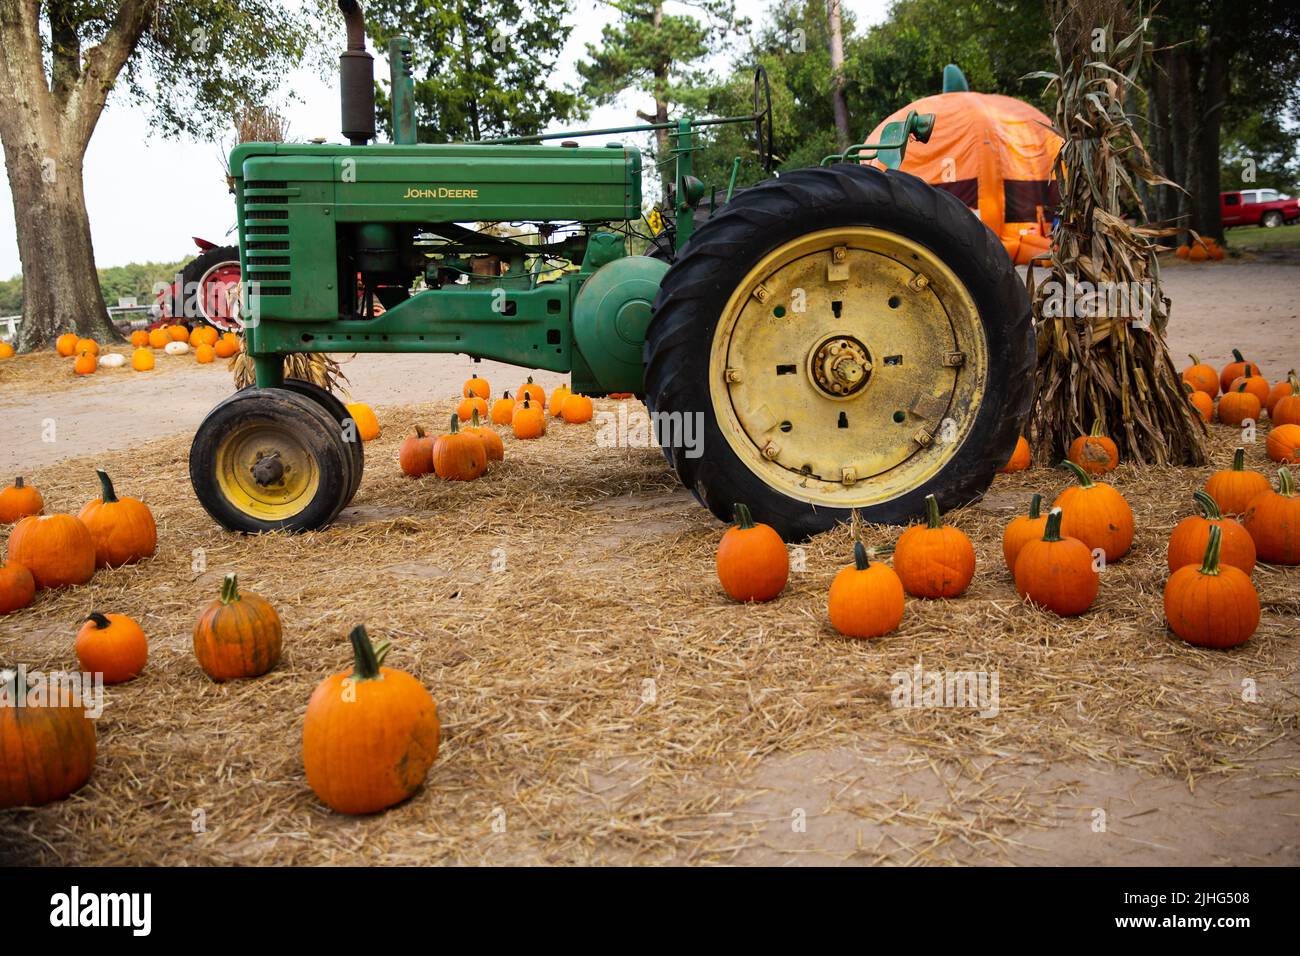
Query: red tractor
x,y
203,291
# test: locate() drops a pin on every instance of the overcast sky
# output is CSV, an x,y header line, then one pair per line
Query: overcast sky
x,y
148,195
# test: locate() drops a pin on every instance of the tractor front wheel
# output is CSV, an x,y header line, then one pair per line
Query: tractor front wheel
x,y
839,339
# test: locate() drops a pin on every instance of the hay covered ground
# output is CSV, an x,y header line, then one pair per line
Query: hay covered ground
x,y
603,702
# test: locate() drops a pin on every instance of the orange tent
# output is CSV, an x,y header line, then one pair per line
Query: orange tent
x,y
995,154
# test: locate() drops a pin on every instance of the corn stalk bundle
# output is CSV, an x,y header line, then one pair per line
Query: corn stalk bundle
x,y
1100,311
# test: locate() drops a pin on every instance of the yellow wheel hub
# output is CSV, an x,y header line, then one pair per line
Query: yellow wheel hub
x,y
847,367
266,472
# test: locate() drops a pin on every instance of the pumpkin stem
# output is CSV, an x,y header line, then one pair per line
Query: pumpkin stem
x,y
474,416
1239,460
1097,430
860,556
1295,383
419,432
1195,360
1285,484
932,512
100,620
744,520
530,380
1241,387
1085,480
366,657
106,484
506,393
229,589
455,424
1211,563
1036,506
1053,530
1209,506
18,482
1236,354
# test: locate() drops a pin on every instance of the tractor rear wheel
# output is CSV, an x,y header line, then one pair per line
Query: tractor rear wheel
x,y
269,459
840,339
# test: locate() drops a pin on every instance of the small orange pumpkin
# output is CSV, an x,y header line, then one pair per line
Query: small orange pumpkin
x,y
6,350
533,392
86,363
17,587
557,399
18,501
112,645
503,409
140,338
237,635
753,563
576,409
492,444
459,456
866,599
1235,369
934,560
1283,443
1187,543
1213,605
1202,402
1286,388
1233,488
1238,405
48,745
467,408
370,734
1257,385
621,396
1096,453
142,360
158,338
1056,572
66,344
367,423
1096,514
205,354
123,528
57,549
225,346
1023,529
528,420
1273,520
178,333
475,386
87,345
1202,377
415,456
1020,458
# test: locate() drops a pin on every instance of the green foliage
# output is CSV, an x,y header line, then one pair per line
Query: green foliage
x,y
1262,144
473,78
117,282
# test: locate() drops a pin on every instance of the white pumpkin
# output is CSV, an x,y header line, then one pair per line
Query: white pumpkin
x,y
112,360
177,348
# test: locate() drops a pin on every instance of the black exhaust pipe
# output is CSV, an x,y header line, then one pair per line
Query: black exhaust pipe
x,y
356,79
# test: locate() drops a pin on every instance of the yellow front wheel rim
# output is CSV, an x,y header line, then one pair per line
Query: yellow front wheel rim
x,y
266,472
847,367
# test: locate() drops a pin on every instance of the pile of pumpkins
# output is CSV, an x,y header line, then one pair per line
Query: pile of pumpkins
x,y
465,451
1205,249
204,341
369,737
1245,395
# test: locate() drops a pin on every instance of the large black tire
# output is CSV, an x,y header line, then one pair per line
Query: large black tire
x,y
306,426
724,250
189,311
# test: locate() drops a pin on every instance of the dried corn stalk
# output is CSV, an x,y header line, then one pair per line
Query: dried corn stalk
x,y
1100,312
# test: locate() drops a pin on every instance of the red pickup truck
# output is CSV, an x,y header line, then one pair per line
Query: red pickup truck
x,y
1258,207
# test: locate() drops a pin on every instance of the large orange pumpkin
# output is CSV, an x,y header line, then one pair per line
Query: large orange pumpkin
x,y
576,409
1238,405
415,456
1284,389
142,360
468,407
123,528
753,563
112,645
476,386
367,424
1056,572
87,345
1020,458
866,599
1190,536
492,444
86,363
934,560
48,745
17,587
459,456
66,344
1023,529
18,501
1202,402
1202,377
1213,605
503,409
58,549
533,392
1235,369
1233,488
1257,385
1096,453
1283,443
528,420
370,734
557,399
1096,514
1273,520
237,635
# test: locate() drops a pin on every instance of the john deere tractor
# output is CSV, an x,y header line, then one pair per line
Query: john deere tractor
x,y
836,338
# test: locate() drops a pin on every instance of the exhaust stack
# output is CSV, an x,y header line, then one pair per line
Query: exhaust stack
x,y
356,79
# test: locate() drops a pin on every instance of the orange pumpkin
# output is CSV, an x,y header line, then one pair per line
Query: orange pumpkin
x,y
459,456
1202,377
533,392
140,338
158,338
1273,520
196,336
85,364
492,444
1213,605
1095,452
753,563
57,549
866,599
1022,530
48,745
415,456
528,420
1202,402
1235,369
557,399
123,528
17,587
1020,458
1233,488
1257,385
476,386
576,409
1096,514
1284,389
370,734
178,333
1056,572
621,396
934,560
1283,443
367,424
503,409
225,347
205,354
1238,406
66,344
87,345
467,408
1190,536
237,635
18,501
112,645
142,360
6,350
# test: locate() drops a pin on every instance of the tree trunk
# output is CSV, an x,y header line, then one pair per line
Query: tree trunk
x,y
838,101
1180,130
1214,92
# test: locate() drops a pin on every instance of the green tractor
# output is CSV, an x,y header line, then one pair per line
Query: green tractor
x,y
831,339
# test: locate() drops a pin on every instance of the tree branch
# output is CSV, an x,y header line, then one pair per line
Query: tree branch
x,y
101,65
65,47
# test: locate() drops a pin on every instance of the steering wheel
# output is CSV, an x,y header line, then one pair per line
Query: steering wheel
x,y
763,117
